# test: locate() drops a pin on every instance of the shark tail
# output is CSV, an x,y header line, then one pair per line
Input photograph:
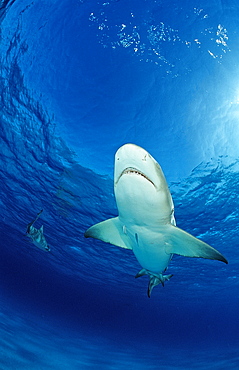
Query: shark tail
x,y
154,279
141,273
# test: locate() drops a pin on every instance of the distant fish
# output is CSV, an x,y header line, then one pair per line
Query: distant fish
x,y
146,222
36,235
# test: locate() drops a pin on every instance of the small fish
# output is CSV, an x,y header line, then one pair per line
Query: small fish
x,y
36,235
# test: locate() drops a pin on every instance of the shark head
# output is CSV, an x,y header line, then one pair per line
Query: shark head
x,y
140,186
131,159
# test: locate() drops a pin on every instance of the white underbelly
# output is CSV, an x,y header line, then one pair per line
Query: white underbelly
x,y
149,249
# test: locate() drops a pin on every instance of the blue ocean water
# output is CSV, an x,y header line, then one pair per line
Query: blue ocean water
x,y
78,80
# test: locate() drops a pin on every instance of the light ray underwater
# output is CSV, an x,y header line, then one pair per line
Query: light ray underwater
x,y
119,174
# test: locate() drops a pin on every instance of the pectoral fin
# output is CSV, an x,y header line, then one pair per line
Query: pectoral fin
x,y
109,231
184,244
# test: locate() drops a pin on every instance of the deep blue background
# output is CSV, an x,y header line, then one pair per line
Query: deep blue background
x,y
78,80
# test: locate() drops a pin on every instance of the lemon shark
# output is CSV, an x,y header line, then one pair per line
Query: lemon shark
x,y
146,222
37,235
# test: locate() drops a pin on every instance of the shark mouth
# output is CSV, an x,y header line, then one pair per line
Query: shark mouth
x,y
134,171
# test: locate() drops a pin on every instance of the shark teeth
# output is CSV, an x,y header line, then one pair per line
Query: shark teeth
x,y
131,170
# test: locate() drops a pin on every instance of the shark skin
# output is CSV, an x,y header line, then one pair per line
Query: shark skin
x,y
146,222
37,236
